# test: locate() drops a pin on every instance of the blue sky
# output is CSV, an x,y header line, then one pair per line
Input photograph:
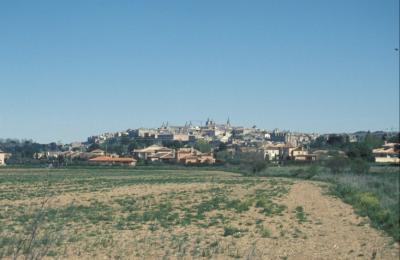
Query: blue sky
x,y
70,69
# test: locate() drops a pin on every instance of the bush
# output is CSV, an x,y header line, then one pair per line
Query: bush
x,y
359,166
258,166
337,164
367,201
233,231
369,204
307,173
360,151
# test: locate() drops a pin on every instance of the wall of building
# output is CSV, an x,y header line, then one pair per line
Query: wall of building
x,y
2,159
387,160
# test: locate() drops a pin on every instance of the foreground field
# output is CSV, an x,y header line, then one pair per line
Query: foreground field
x,y
117,213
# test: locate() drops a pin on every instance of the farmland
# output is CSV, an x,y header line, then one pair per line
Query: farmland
x,y
178,214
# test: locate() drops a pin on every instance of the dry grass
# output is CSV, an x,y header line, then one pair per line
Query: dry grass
x,y
176,215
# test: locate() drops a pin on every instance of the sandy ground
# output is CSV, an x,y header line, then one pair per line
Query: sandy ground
x,y
331,232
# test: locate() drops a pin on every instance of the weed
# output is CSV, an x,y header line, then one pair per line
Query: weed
x,y
238,206
264,232
233,231
300,215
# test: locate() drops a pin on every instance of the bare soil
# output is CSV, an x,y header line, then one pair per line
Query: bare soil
x,y
299,221
332,230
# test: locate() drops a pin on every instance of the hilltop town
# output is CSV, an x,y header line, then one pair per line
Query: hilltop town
x,y
209,188
209,143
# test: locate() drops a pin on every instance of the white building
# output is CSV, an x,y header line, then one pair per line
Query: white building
x,y
3,157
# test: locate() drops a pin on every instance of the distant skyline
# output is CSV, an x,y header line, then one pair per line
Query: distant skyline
x,y
71,69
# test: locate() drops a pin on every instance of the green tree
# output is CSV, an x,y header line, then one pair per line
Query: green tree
x,y
222,146
394,139
124,140
360,150
337,140
203,146
93,147
172,144
373,141
319,142
132,146
224,156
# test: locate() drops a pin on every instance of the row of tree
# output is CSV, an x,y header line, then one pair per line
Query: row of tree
x,y
354,150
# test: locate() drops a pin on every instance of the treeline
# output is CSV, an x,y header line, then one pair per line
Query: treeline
x,y
354,150
23,151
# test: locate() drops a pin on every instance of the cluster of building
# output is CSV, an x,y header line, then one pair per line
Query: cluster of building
x,y
275,145
157,153
211,132
388,153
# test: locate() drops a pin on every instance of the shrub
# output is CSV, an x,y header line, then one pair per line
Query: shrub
x,y
300,215
367,201
233,231
308,173
360,151
259,165
264,232
337,164
369,204
238,205
359,166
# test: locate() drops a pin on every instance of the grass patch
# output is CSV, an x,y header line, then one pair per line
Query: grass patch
x,y
300,215
369,204
238,205
263,231
234,231
374,194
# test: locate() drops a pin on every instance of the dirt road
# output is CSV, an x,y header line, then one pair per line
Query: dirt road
x,y
331,231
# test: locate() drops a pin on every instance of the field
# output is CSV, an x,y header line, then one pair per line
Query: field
x,y
178,214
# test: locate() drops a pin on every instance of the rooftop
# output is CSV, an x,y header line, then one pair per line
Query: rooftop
x,y
111,159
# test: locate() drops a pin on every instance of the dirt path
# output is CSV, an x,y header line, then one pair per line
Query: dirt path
x,y
331,231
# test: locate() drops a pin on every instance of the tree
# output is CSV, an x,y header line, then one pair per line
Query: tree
x,y
394,139
259,165
93,147
61,160
337,140
203,146
172,144
319,142
53,146
373,141
251,162
222,146
360,151
132,146
224,156
124,140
